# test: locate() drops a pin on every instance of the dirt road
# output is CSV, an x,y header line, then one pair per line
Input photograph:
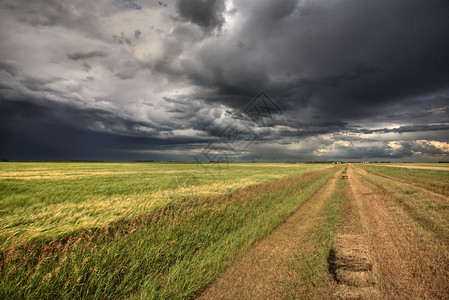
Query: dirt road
x,y
264,270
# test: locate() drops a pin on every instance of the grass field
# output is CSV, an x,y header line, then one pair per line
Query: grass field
x,y
215,231
53,199
138,229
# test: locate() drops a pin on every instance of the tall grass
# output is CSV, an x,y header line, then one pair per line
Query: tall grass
x,y
46,200
172,252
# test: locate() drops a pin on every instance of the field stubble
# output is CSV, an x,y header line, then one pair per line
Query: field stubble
x,y
291,262
404,230
392,226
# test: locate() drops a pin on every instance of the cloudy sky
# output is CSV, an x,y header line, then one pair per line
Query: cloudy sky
x,y
244,80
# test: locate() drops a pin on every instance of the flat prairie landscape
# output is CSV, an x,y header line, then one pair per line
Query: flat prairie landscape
x,y
224,149
224,231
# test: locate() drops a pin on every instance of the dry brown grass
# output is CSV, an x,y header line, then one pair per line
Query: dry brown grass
x,y
356,278
417,167
351,253
353,267
409,260
265,270
351,293
351,263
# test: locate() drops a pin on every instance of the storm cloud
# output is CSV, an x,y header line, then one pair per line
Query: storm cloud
x,y
86,55
124,80
204,13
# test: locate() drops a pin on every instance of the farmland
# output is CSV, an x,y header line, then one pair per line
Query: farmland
x,y
253,231
52,199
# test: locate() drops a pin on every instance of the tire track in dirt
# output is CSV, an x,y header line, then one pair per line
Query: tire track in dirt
x,y
406,265
263,271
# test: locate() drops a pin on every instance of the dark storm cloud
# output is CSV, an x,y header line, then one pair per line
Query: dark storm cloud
x,y
351,76
46,130
195,115
42,110
86,55
403,129
346,60
207,14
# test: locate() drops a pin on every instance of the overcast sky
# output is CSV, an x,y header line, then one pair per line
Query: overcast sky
x,y
243,80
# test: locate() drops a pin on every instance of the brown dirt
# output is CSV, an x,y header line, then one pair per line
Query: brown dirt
x,y
405,264
263,272
418,167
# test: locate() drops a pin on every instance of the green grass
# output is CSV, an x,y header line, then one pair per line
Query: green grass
x,y
434,180
311,263
172,250
44,200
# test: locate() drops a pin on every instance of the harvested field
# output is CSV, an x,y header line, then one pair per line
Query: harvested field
x,y
351,254
300,232
409,259
263,273
417,167
353,267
